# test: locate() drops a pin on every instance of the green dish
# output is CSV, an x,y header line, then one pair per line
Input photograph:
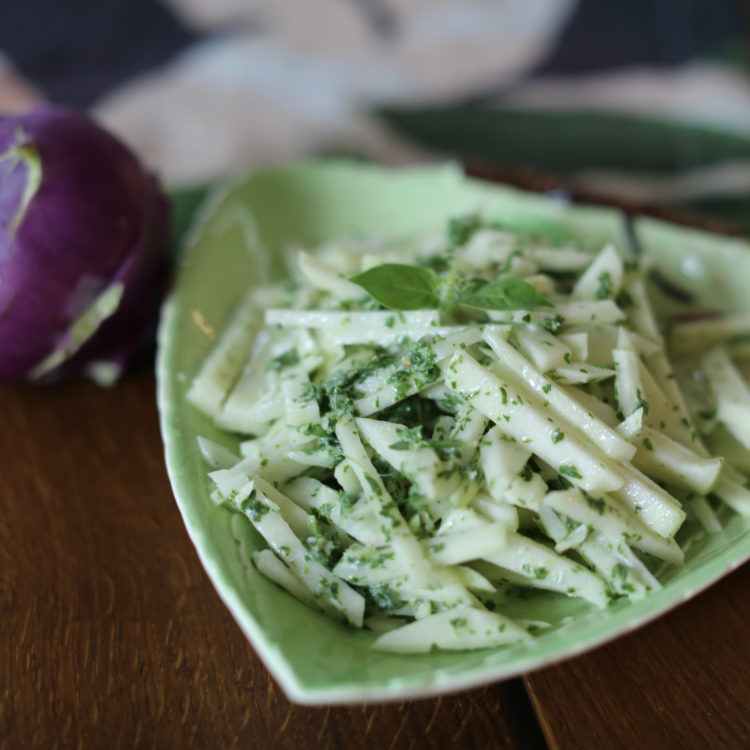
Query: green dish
x,y
232,245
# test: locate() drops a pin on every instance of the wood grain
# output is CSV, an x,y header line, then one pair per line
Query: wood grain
x,y
110,633
681,682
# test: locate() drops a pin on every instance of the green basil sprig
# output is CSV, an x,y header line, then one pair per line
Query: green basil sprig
x,y
403,287
509,293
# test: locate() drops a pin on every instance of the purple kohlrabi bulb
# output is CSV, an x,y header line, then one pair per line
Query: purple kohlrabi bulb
x,y
84,232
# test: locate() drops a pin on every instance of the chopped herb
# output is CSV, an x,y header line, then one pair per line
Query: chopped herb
x,y
605,285
400,445
384,598
552,324
539,573
619,580
374,485
559,483
315,429
641,404
379,560
309,393
689,425
287,359
255,509
569,470
461,229
346,502
597,503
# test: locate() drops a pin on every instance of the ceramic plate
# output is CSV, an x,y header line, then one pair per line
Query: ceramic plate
x,y
235,243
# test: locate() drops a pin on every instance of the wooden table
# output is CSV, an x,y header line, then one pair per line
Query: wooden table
x,y
112,636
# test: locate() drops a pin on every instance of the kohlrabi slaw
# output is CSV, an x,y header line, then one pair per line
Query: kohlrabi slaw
x,y
429,421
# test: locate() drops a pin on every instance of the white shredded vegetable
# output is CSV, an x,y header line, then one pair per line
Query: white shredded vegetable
x,y
507,417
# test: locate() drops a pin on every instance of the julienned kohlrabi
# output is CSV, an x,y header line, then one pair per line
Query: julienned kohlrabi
x,y
84,233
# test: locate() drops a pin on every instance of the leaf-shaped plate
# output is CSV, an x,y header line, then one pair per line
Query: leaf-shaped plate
x,y
237,241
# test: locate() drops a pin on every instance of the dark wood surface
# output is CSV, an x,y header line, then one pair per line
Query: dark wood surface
x,y
682,682
112,636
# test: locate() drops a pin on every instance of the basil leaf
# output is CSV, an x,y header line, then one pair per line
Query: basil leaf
x,y
510,293
401,287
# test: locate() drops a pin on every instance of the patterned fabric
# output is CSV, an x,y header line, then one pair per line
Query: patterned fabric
x,y
203,88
